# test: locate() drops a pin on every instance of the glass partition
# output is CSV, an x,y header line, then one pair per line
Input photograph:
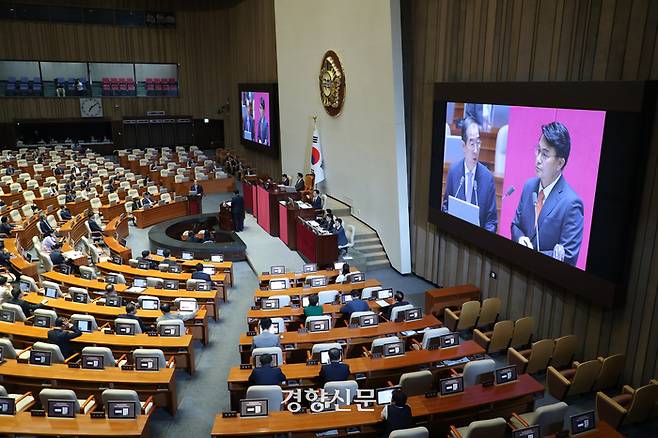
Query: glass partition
x,y
20,78
112,79
156,79
61,79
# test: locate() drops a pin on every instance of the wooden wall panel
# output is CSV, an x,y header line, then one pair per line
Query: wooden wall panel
x,y
216,44
523,40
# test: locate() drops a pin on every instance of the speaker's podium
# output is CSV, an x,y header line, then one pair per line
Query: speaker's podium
x,y
194,202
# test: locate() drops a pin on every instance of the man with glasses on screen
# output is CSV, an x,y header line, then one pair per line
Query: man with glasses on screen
x,y
549,217
470,181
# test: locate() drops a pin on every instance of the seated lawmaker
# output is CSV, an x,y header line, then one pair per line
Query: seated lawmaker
x,y
317,200
5,226
167,258
198,274
62,334
356,305
131,313
327,220
471,181
145,258
266,374
167,314
334,371
399,301
48,243
17,298
397,414
43,224
345,270
265,338
56,255
93,225
147,200
65,213
313,308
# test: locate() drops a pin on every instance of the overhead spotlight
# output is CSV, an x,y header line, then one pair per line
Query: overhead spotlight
x,y
206,120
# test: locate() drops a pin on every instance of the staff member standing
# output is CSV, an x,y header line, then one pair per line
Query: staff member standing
x,y
196,187
237,211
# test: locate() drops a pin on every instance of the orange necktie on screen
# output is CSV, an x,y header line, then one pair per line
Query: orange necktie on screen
x,y
540,204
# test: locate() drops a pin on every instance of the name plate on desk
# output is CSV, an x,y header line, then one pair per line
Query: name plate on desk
x,y
74,365
289,347
98,414
311,362
152,333
38,413
431,394
255,308
230,414
245,366
251,333
127,367
302,331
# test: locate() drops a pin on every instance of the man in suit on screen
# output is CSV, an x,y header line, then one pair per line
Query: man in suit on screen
x,y
470,181
263,125
549,217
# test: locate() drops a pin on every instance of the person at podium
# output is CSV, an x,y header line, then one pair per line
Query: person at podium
x,y
196,188
317,200
471,181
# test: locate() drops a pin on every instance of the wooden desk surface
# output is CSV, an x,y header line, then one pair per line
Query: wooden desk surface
x,y
83,425
20,263
330,273
160,213
126,270
438,299
367,365
100,312
11,368
224,266
349,333
20,330
301,291
285,422
94,286
290,312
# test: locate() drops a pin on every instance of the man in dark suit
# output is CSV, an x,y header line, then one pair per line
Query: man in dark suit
x,y
340,230
131,313
327,221
355,305
147,200
334,371
548,205
266,374
285,181
5,226
44,226
62,334
59,170
146,258
65,213
17,298
248,122
196,187
137,203
10,170
167,261
262,134
299,184
56,255
93,225
399,301
237,211
470,181
317,200
53,190
198,274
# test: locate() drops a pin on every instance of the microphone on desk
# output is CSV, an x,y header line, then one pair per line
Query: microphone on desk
x,y
461,183
508,192
475,192
534,203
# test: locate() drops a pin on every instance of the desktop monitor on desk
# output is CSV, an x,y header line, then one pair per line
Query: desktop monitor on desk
x,y
253,408
204,287
80,297
171,284
310,267
269,303
85,275
111,279
276,270
147,363
113,301
321,325
7,315
40,357
368,320
393,349
169,330
92,362
117,260
277,284
409,315
527,432
175,269
186,255
506,375
451,386
357,277
582,423
139,282
83,326
143,265
7,406
124,329
61,408
42,321
345,298
318,281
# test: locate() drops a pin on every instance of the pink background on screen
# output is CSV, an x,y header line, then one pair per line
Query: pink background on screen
x,y
266,97
581,171
263,208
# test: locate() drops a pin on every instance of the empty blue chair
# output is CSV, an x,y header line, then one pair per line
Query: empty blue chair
x,y
23,87
11,87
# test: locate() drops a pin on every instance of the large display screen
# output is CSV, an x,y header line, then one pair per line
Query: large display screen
x,y
546,176
259,119
528,174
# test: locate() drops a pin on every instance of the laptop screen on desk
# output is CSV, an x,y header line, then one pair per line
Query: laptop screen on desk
x,y
139,282
278,269
310,267
51,292
277,284
449,340
150,304
217,258
384,396
384,294
187,255
583,422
